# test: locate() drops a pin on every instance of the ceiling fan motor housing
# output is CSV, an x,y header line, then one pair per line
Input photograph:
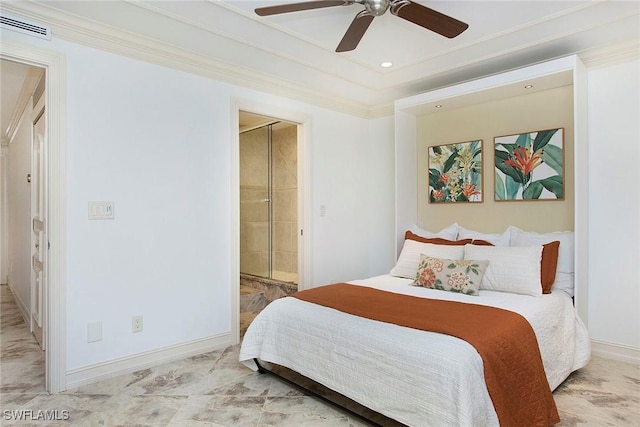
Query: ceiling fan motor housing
x,y
376,7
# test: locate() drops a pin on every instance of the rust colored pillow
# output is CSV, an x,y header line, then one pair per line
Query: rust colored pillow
x,y
481,242
435,240
548,264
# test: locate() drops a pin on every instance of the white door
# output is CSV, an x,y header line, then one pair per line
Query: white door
x,y
38,225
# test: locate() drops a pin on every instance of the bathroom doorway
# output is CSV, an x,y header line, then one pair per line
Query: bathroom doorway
x,y
268,198
268,212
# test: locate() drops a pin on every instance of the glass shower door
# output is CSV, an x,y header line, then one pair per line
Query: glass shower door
x,y
255,202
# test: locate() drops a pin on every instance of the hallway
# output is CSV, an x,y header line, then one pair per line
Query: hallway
x,y
22,361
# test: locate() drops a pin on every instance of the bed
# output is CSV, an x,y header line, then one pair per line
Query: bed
x,y
413,376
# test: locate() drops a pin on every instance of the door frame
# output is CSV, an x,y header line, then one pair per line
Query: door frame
x,y
55,157
303,122
39,181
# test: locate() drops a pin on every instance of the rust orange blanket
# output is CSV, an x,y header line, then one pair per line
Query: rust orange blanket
x,y
506,342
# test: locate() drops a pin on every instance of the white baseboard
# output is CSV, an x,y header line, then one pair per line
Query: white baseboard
x,y
623,353
101,371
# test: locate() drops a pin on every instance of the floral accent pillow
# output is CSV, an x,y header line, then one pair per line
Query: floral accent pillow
x,y
454,275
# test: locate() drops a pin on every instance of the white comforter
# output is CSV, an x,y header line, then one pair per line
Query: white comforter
x,y
418,378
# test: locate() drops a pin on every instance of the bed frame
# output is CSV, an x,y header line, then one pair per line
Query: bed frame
x,y
351,407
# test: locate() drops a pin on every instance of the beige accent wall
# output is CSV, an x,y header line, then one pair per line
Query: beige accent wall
x,y
529,113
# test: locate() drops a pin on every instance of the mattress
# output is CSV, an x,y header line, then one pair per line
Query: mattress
x,y
418,378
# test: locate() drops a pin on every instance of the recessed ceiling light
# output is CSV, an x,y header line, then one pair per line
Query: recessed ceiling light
x,y
386,64
528,86
439,106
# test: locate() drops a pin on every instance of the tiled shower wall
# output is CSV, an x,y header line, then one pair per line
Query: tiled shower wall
x,y
254,212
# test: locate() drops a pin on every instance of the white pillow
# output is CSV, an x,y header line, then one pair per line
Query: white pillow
x,y
565,269
449,233
407,265
511,269
496,239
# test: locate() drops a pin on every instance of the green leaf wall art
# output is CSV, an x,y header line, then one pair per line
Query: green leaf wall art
x,y
530,166
455,172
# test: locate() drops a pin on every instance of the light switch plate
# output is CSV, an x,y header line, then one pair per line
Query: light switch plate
x,y
101,210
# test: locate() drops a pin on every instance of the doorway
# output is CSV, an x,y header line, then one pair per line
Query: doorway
x,y
268,155
54,298
24,216
268,198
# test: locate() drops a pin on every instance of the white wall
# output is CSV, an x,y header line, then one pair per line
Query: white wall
x,y
19,213
381,192
157,143
614,205
153,141
353,172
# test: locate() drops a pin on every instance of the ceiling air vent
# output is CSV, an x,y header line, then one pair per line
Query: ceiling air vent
x,y
23,26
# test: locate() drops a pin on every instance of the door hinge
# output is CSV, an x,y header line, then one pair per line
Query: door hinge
x,y
37,225
301,232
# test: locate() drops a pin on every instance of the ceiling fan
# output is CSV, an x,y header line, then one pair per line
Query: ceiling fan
x,y
405,9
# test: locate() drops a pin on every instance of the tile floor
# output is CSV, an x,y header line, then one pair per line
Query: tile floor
x,y
213,389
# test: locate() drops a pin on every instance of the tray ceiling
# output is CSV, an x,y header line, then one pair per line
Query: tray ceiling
x,y
293,54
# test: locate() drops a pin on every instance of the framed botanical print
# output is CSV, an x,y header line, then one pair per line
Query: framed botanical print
x,y
530,166
455,172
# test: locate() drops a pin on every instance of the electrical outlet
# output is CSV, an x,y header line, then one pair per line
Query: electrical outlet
x,y
136,324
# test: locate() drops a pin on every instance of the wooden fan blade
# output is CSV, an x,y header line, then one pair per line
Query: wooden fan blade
x,y
430,19
355,32
295,7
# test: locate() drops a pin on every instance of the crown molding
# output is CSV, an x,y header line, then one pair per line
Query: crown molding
x,y
72,28
611,55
